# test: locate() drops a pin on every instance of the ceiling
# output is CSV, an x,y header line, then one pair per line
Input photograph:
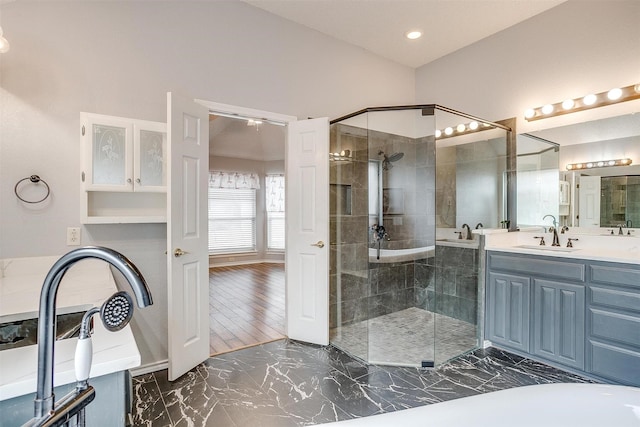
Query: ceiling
x,y
378,26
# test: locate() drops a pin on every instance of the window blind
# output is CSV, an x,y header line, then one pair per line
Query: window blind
x,y
232,220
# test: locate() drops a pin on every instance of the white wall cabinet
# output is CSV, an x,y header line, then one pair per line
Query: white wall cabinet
x,y
124,173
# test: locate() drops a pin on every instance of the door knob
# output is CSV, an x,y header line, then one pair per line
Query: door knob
x,y
320,244
179,252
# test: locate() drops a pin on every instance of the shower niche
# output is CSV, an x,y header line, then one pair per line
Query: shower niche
x,y
404,290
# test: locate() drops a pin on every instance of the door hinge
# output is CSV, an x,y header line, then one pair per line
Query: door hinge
x,y
82,176
83,130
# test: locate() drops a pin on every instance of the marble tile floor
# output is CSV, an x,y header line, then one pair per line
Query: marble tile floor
x,y
288,383
406,338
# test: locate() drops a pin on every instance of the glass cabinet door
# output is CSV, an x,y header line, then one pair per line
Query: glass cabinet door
x,y
110,146
150,172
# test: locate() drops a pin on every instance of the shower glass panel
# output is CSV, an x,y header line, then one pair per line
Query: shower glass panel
x,y
404,291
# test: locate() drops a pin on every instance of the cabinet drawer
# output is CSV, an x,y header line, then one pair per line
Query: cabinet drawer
x,y
614,363
546,267
622,328
615,298
610,275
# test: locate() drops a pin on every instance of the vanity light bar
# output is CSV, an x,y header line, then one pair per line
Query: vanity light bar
x,y
587,102
462,129
598,164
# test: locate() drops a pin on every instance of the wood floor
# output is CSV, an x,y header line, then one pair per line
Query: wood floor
x,y
246,306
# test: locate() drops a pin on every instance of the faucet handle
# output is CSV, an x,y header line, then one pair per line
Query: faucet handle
x,y
570,242
542,243
459,233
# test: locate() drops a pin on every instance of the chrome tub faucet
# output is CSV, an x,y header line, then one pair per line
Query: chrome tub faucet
x,y
44,402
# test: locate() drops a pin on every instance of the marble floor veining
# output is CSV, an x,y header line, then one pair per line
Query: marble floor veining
x,y
406,338
288,383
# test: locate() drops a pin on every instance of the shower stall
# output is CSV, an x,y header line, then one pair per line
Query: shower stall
x,y
407,187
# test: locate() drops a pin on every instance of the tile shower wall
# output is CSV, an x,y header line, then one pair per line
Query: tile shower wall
x,y
361,290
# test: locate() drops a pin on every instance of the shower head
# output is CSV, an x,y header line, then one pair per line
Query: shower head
x,y
116,312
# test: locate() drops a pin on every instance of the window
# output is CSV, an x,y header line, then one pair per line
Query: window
x,y
275,212
232,219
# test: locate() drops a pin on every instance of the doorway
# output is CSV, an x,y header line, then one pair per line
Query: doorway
x,y
246,230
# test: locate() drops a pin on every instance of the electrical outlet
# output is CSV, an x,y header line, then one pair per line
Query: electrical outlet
x,y
73,236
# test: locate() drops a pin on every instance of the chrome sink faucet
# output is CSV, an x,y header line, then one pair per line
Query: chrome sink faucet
x,y
44,400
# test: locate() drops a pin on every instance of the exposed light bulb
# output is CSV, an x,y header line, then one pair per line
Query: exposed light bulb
x,y
589,165
568,104
412,35
529,113
473,125
600,164
636,88
461,128
614,94
589,99
448,131
611,162
438,133
569,166
547,109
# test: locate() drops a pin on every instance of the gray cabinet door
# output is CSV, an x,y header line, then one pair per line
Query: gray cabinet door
x,y
508,312
559,322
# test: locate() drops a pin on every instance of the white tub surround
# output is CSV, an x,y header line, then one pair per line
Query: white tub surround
x,y
625,249
549,405
400,255
87,284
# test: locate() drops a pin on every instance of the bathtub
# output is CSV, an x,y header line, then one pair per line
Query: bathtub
x,y
400,255
548,405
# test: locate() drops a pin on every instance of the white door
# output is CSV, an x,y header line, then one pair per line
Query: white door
x,y
589,201
187,233
307,231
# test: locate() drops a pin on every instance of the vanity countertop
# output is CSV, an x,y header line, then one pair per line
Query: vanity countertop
x,y
621,249
87,284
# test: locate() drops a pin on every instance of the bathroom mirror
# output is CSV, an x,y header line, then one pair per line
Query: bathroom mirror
x,y
538,181
598,196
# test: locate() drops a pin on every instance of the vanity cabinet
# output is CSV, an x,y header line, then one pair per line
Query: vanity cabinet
x,y
508,310
613,322
558,322
582,314
124,173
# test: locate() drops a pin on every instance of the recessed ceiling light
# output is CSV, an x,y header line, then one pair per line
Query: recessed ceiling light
x,y
412,35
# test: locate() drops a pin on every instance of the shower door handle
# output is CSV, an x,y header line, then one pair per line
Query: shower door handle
x,y
319,244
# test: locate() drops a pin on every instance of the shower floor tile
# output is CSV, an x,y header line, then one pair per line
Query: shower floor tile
x,y
406,338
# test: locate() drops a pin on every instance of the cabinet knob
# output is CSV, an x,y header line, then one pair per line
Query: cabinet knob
x,y
137,180
129,180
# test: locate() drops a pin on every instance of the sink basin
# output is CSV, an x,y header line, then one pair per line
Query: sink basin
x,y
461,241
22,333
548,248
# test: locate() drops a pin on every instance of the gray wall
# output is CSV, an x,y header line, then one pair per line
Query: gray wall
x,y
571,50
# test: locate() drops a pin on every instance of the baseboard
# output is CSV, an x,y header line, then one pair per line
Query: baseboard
x,y
149,368
253,261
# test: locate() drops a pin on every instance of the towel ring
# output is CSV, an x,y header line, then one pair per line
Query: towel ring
x,y
34,179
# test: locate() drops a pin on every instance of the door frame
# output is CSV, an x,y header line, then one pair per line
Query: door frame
x,y
235,110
